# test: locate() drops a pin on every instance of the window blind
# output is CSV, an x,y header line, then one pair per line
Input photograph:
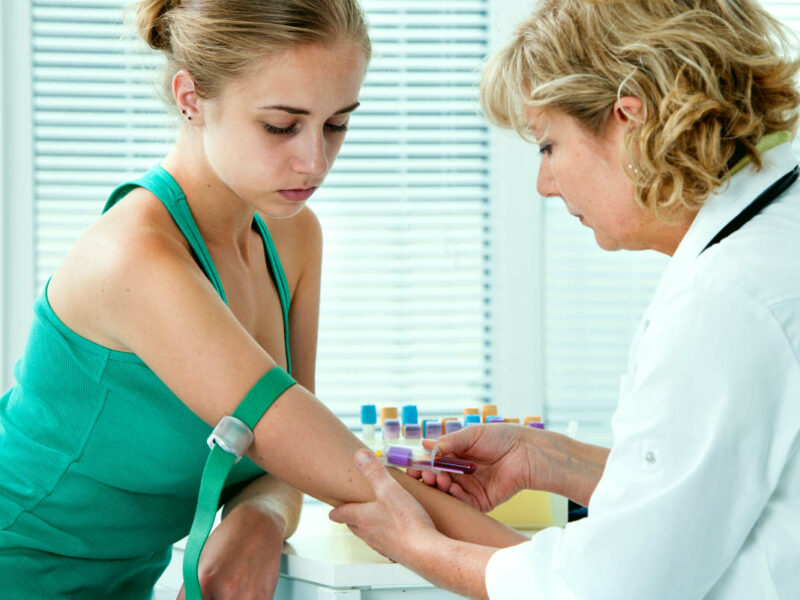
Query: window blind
x,y
406,290
593,302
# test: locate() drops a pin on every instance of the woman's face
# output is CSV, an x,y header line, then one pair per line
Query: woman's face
x,y
585,171
272,135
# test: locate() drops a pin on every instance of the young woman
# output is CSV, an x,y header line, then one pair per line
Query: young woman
x,y
197,288
662,125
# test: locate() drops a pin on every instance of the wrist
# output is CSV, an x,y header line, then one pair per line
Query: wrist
x,y
568,467
261,515
540,454
424,549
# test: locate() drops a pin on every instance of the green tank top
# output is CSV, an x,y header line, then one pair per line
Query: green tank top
x,y
100,463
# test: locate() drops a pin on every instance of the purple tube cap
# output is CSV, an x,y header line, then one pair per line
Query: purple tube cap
x,y
536,425
398,456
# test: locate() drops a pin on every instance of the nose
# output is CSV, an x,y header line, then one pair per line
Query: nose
x,y
545,182
310,157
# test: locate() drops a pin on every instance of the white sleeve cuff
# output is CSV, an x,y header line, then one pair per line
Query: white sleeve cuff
x,y
528,571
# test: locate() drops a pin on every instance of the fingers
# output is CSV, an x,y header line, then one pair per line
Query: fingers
x,y
345,513
454,443
457,492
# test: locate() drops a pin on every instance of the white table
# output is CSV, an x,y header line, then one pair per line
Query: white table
x,y
325,561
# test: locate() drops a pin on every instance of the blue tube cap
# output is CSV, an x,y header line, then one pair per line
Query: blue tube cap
x,y
409,414
472,420
369,414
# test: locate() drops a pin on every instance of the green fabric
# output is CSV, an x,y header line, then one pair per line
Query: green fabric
x,y
100,463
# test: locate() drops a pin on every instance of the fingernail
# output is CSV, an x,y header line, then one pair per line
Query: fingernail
x,y
362,457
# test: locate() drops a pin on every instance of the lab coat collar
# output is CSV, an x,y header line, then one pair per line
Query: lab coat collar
x,y
720,209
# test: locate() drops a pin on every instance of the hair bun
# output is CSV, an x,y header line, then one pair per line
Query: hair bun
x,y
152,22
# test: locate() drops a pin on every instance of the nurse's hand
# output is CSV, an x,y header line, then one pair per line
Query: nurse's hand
x,y
242,556
395,524
507,457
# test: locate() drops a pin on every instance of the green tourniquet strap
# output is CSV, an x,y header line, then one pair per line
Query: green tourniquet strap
x,y
219,463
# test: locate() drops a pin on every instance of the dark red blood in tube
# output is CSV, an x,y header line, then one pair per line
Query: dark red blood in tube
x,y
447,462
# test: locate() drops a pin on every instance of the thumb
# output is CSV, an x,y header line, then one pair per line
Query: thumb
x,y
373,470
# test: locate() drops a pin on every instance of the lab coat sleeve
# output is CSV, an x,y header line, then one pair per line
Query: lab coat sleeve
x,y
698,449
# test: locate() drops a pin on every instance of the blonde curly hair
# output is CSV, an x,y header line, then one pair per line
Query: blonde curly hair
x,y
714,77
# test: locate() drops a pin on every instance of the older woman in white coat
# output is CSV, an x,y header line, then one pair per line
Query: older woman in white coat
x,y
665,126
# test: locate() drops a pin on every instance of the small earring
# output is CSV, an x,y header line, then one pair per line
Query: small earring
x,y
184,112
630,166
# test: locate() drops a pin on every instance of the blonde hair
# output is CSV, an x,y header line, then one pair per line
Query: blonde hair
x,y
218,40
714,77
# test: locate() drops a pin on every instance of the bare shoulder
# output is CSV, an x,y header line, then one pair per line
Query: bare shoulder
x,y
298,241
134,248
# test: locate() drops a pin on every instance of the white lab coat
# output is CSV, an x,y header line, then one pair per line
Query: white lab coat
x,y
701,493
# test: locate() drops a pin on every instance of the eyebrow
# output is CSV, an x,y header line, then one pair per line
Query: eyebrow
x,y
301,111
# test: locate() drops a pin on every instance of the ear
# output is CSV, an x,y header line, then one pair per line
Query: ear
x,y
628,111
186,98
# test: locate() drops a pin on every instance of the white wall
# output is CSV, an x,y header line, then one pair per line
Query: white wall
x,y
16,184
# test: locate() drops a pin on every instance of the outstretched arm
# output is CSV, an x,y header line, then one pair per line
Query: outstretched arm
x,y
159,305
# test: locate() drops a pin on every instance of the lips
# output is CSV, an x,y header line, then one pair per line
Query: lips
x,y
298,195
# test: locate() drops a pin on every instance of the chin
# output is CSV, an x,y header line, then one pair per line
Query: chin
x,y
607,244
285,211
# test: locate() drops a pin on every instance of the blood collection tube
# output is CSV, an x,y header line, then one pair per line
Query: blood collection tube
x,y
445,420
452,426
433,429
472,420
412,432
413,458
369,417
388,412
391,429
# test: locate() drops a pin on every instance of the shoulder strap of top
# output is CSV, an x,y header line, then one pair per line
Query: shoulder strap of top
x,y
158,181
166,189
279,277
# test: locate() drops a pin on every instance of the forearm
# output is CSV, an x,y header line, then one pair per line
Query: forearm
x,y
457,519
303,443
271,497
566,466
459,567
